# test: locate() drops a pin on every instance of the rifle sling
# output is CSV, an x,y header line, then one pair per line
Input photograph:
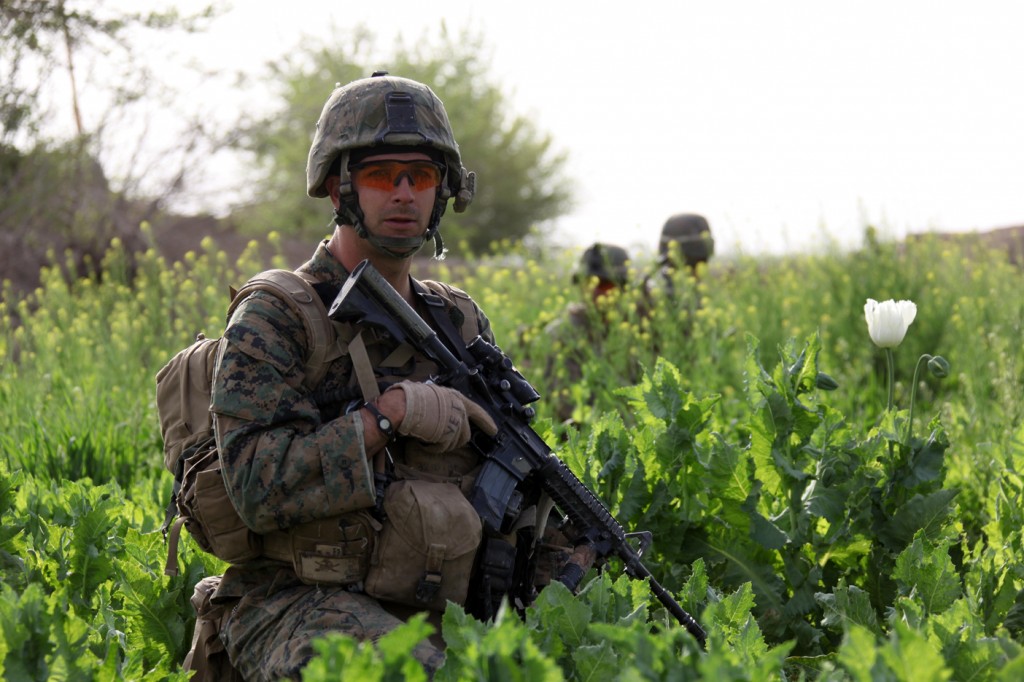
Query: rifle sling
x,y
450,336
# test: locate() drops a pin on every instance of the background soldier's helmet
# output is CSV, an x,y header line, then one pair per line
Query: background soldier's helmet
x,y
606,262
693,234
384,114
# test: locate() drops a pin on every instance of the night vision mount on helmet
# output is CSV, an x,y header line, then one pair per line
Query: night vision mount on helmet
x,y
386,114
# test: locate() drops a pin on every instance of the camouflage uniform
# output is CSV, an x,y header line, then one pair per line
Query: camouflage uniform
x,y
290,457
294,460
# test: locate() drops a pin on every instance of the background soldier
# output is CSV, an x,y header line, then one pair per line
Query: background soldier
x,y
685,241
582,327
670,291
608,264
691,235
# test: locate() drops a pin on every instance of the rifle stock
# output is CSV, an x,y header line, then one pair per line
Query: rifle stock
x,y
516,456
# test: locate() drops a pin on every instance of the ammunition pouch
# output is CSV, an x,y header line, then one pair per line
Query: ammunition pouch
x,y
425,554
207,659
208,513
495,577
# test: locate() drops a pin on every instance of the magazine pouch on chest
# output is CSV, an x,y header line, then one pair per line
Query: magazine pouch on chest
x,y
424,556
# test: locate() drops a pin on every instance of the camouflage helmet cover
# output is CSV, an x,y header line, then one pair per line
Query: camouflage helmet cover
x,y
385,111
604,261
693,234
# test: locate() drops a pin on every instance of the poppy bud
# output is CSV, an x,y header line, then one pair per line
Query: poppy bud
x,y
825,382
939,367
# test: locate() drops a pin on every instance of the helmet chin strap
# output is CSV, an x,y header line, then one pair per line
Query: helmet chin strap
x,y
409,245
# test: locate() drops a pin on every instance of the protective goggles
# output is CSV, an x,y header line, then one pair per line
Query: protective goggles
x,y
386,174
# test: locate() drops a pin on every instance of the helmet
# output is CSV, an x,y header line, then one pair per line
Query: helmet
x,y
386,114
693,234
604,261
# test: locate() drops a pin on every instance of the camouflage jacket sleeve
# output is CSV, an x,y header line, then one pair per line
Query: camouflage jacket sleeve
x,y
282,464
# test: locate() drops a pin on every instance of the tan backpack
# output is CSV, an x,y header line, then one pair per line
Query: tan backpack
x,y
183,386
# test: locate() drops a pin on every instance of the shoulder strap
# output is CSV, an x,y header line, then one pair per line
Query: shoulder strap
x,y
438,304
294,289
451,298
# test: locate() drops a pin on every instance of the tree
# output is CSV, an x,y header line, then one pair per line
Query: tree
x,y
520,177
57,188
38,37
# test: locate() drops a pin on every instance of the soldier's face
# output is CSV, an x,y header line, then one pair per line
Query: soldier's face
x,y
396,198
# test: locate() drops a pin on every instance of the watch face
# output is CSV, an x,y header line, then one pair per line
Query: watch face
x,y
383,423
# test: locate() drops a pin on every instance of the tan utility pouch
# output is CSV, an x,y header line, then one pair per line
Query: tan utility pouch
x,y
426,551
332,551
207,659
209,515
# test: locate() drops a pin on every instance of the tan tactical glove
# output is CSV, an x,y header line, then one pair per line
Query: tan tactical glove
x,y
440,416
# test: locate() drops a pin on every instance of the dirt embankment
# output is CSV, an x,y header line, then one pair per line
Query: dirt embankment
x,y
177,235
1008,239
173,236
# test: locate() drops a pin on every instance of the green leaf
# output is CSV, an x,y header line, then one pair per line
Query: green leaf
x,y
911,657
9,484
396,648
338,654
25,622
858,653
928,513
152,614
846,607
71,658
694,593
828,503
927,463
927,571
595,661
459,629
635,498
756,379
1014,621
807,376
730,621
560,614
766,533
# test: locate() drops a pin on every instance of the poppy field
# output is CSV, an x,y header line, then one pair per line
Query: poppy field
x,y
834,490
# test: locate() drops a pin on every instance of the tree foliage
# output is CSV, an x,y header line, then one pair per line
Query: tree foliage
x,y
520,175
39,37
60,190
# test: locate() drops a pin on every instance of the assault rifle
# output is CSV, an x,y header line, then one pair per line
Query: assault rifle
x,y
517,461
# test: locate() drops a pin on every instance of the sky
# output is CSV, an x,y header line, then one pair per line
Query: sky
x,y
789,125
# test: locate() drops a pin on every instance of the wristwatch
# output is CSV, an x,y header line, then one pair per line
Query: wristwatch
x,y
383,422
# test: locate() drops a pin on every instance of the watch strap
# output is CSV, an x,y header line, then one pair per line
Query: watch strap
x,y
384,423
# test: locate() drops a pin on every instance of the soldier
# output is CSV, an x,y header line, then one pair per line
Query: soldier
x,y
603,268
315,472
607,263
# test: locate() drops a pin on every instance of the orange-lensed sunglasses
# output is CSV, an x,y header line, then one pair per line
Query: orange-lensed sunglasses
x,y
387,173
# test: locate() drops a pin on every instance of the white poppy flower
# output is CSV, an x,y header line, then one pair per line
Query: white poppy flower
x,y
888,321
